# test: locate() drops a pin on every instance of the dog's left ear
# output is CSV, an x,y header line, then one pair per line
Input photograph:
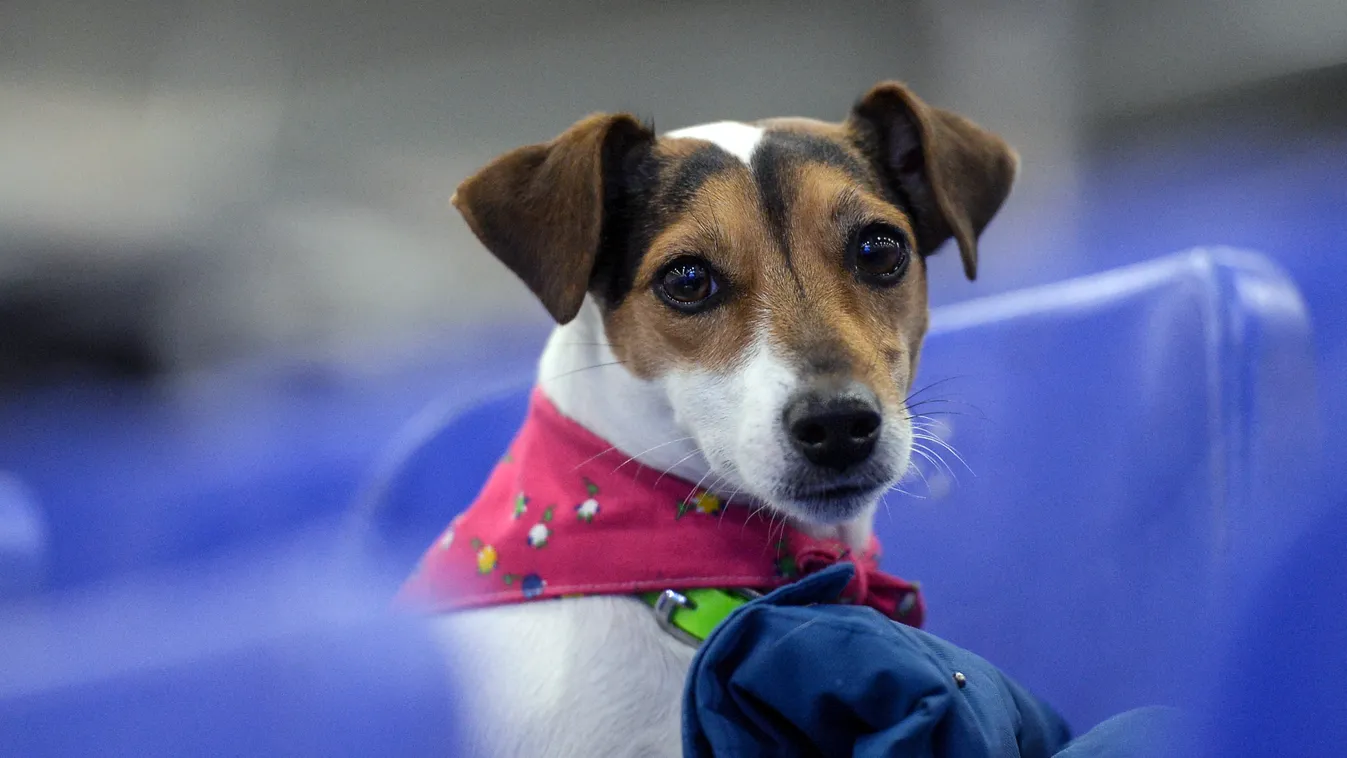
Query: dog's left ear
x,y
952,173
543,209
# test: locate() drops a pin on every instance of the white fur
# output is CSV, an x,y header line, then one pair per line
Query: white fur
x,y
591,676
584,379
597,676
735,138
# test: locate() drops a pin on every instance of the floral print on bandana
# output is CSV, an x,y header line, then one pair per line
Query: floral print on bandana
x,y
635,530
540,532
530,585
703,502
587,510
486,557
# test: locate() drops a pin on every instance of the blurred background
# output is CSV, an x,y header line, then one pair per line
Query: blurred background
x,y
213,213
229,274
225,239
190,184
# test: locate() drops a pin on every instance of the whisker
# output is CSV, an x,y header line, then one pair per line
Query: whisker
x,y
919,450
930,401
643,452
676,464
771,526
714,484
912,466
698,485
586,368
726,506
981,414
785,524
594,344
724,503
918,437
933,458
929,414
946,399
930,435
596,456
753,513
902,491
933,385
926,425
955,453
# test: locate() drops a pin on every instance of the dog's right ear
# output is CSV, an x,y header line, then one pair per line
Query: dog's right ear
x,y
541,209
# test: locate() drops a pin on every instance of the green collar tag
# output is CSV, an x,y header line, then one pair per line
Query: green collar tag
x,y
703,612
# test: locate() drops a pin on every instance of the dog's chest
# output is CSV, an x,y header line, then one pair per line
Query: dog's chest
x,y
574,677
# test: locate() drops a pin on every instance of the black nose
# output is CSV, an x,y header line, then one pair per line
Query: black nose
x,y
835,431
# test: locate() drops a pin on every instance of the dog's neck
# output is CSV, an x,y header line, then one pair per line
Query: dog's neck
x,y
588,384
585,380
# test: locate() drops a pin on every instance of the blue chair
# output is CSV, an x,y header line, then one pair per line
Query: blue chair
x,y
136,477
24,541
1142,441
192,622
274,652
1139,438
1280,688
432,470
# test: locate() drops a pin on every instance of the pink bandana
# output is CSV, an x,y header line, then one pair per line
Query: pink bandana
x,y
564,514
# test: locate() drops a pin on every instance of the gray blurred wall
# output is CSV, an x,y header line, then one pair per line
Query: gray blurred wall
x,y
229,178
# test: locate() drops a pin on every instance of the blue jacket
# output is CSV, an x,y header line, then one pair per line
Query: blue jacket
x,y
793,674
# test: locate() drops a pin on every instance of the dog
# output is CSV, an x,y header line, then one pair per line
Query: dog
x,y
739,305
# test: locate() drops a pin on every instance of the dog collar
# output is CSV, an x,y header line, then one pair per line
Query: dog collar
x,y
564,514
691,616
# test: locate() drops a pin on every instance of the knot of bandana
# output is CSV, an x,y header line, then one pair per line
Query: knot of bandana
x,y
896,598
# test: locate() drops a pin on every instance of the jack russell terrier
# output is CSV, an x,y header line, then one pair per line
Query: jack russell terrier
x,y
724,401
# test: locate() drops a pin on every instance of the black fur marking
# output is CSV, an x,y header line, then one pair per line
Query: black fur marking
x,y
807,148
630,175
897,159
691,173
772,170
636,205
773,163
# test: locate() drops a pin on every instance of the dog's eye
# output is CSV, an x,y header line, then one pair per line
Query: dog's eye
x,y
881,255
687,284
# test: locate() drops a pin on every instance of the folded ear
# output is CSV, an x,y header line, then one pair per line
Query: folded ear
x,y
542,209
953,174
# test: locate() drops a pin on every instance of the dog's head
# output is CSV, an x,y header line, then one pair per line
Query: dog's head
x,y
768,278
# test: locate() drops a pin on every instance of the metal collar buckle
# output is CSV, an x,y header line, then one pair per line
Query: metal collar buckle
x,y
670,601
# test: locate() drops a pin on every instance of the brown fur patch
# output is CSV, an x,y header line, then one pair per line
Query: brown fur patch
x,y
793,283
722,225
872,333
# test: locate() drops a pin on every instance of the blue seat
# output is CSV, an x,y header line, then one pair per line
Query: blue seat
x,y
430,472
24,541
273,652
1139,439
136,477
1283,661
193,620
1139,447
